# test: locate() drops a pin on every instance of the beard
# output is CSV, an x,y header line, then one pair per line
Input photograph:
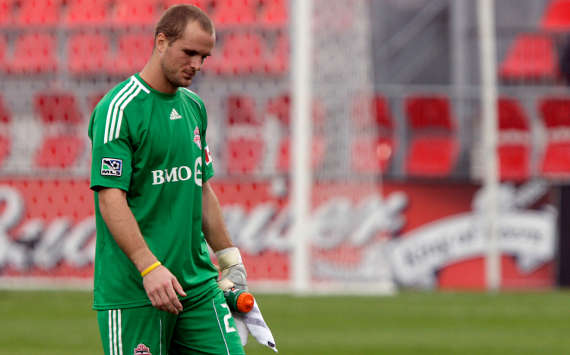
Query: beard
x,y
171,76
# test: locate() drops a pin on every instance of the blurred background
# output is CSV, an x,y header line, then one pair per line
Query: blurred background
x,y
398,191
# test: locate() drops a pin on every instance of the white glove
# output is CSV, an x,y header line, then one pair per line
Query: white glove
x,y
232,269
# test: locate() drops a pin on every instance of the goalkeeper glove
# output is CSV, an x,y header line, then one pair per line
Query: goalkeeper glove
x,y
232,269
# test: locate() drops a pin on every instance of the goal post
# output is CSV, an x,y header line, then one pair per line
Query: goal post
x,y
487,51
332,71
301,55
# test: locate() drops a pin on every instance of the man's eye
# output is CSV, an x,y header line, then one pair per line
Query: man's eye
x,y
191,53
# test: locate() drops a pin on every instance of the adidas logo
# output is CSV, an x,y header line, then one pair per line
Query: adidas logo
x,y
174,115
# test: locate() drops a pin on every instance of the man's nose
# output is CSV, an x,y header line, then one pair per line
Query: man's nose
x,y
196,63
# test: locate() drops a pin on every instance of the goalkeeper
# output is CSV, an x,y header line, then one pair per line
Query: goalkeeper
x,y
155,287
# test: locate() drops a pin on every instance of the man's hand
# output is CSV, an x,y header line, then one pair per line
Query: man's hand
x,y
232,268
161,287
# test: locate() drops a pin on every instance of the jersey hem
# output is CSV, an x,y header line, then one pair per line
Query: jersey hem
x,y
98,186
203,289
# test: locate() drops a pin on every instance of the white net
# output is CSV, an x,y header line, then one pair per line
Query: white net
x,y
347,234
395,125
58,59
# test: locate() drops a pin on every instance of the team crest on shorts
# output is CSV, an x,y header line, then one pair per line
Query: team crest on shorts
x,y
111,167
197,139
142,349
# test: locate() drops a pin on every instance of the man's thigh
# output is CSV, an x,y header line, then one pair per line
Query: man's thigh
x,y
140,330
206,327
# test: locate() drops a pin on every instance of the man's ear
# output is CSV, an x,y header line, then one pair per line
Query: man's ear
x,y
161,42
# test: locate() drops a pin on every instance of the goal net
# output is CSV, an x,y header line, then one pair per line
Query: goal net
x,y
56,70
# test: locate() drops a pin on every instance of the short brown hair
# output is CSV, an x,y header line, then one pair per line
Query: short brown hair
x,y
173,21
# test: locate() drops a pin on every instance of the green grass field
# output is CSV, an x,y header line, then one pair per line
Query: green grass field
x,y
50,323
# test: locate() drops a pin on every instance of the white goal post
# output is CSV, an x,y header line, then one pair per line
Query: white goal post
x,y
486,27
331,65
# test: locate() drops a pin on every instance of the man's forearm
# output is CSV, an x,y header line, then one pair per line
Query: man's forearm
x,y
213,224
231,266
124,227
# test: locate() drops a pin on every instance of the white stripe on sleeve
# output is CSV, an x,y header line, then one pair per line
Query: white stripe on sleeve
x,y
111,106
121,112
116,110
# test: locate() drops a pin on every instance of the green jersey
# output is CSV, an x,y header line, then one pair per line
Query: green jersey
x,y
151,145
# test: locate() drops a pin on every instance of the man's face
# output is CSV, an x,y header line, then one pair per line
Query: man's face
x,y
181,59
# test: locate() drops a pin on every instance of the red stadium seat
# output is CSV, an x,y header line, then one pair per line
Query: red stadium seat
x,y
531,57
57,107
372,113
5,114
240,54
33,53
284,154
133,52
274,13
59,151
280,108
432,156
87,54
7,12
433,149
555,115
555,111
429,111
557,16
39,12
514,161
371,154
5,148
93,100
511,115
244,155
246,147
83,13
276,60
514,140
556,160
202,4
372,146
235,12
136,12
241,110
3,49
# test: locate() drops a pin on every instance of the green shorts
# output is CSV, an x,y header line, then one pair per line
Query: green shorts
x,y
205,326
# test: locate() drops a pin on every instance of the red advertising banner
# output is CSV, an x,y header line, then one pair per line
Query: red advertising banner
x,y
415,234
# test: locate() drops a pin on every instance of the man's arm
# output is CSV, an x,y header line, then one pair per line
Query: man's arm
x,y
217,236
160,285
213,224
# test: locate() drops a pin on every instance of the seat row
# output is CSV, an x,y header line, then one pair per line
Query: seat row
x,y
92,54
432,148
121,13
535,56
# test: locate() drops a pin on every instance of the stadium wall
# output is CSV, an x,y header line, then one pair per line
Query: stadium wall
x,y
404,233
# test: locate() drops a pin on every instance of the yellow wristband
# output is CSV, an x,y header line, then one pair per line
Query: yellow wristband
x,y
150,268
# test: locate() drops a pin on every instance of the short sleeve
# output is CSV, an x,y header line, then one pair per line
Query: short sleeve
x,y
207,167
111,150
